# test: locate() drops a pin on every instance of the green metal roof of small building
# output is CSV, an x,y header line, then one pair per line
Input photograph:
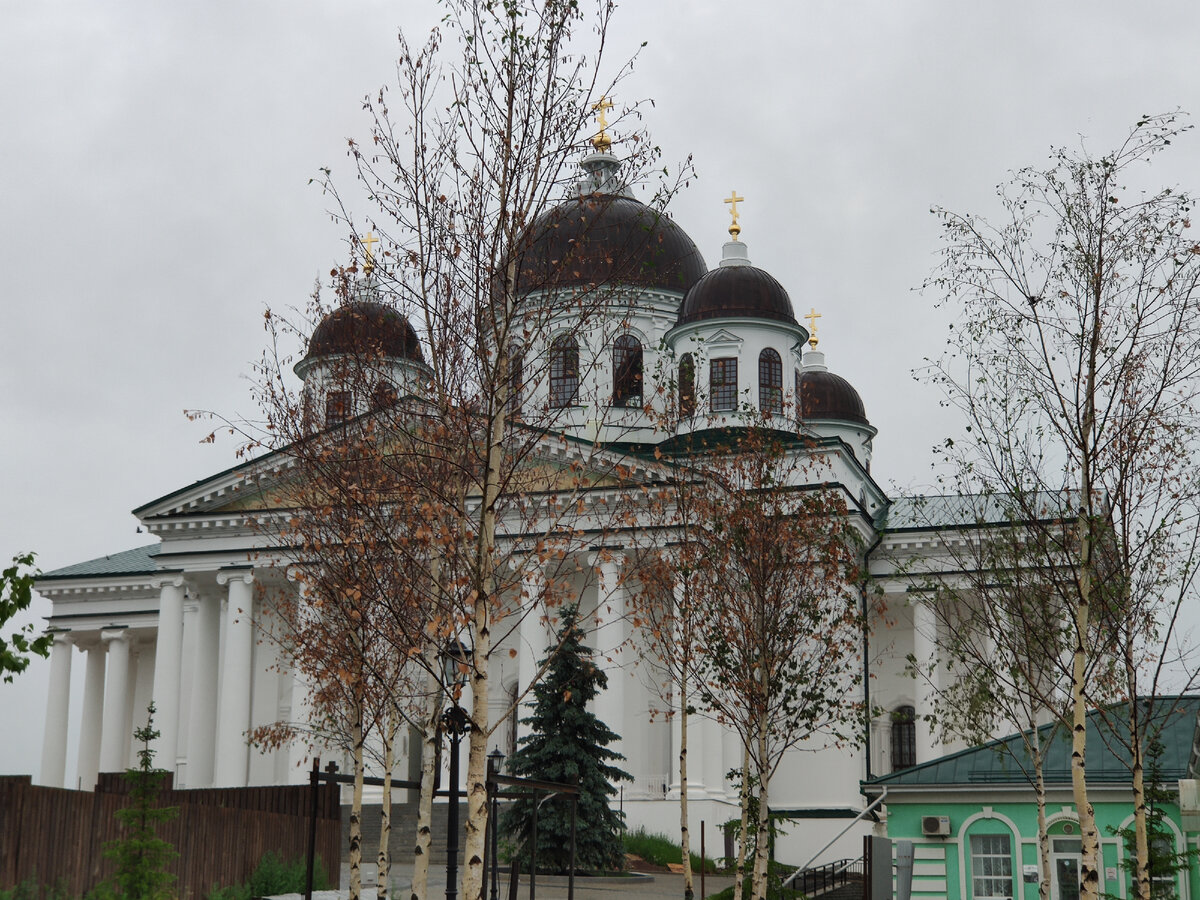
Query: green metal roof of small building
x,y
139,561
932,511
1006,761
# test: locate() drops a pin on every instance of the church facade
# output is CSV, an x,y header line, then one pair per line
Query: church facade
x,y
177,622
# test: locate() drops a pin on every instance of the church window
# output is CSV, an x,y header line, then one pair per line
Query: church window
x,y
770,382
627,371
337,408
991,866
904,738
722,383
384,395
564,372
687,386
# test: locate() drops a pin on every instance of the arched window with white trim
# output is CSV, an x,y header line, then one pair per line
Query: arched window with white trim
x,y
564,372
627,371
770,382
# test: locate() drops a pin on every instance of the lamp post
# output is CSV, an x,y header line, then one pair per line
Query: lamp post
x,y
495,763
456,723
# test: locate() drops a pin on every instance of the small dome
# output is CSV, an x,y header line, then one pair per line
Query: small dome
x,y
737,291
365,326
601,239
824,395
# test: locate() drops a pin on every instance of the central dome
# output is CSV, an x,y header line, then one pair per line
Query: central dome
x,y
606,239
736,291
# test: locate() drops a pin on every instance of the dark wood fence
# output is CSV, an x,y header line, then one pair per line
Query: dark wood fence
x,y
54,835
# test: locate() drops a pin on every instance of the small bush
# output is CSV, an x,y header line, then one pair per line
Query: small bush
x,y
272,876
660,850
30,889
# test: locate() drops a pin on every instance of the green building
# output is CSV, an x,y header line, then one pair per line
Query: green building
x,y
972,815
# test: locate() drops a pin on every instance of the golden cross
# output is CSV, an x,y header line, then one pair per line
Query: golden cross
x,y
602,141
733,200
812,317
369,241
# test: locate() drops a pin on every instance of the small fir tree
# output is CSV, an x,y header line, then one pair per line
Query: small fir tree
x,y
568,744
140,854
1165,862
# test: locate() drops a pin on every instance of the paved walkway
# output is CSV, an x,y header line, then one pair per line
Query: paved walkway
x,y
662,886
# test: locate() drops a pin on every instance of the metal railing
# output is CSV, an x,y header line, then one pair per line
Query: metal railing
x,y
818,879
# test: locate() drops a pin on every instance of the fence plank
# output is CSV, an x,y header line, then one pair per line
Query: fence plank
x,y
56,835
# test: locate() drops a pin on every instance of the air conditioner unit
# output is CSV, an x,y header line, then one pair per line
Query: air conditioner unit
x,y
935,826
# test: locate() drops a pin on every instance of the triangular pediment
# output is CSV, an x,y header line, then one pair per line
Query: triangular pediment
x,y
723,336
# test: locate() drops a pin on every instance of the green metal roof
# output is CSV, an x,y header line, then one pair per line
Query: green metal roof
x,y
139,561
926,511
1006,761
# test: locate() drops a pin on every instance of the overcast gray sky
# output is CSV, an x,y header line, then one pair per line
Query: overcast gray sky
x,y
154,198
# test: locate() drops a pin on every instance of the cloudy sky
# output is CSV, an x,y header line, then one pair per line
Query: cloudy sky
x,y
154,199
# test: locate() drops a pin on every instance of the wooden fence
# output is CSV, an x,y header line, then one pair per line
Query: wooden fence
x,y
54,836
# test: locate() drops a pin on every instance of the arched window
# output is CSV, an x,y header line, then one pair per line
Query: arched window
x,y
337,408
384,395
687,386
723,384
627,371
564,372
770,382
904,738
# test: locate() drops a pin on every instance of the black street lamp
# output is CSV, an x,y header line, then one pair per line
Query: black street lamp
x,y
456,723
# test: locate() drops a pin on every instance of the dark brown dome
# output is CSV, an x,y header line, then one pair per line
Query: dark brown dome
x,y
364,326
824,395
604,239
736,292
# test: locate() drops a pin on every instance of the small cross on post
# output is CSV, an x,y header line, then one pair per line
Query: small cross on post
x,y
369,241
733,200
602,141
812,317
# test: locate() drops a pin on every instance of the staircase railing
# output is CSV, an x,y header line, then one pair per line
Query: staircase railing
x,y
818,879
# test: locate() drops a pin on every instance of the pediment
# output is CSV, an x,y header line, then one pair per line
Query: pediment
x,y
723,336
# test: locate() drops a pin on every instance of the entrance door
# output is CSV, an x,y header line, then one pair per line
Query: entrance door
x,y
1065,856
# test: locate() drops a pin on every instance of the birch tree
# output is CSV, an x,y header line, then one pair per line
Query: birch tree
x,y
1074,360
470,153
779,612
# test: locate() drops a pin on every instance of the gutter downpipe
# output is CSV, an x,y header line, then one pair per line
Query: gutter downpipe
x,y
800,871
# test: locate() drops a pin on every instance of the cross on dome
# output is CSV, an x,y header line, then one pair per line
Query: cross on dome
x,y
602,141
369,262
733,200
812,315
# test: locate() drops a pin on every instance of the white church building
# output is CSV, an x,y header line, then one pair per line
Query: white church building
x,y
175,621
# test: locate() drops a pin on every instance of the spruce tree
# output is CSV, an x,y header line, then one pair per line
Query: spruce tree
x,y
568,744
141,856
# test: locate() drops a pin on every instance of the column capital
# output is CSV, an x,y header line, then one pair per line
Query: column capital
x,y
61,637
118,633
230,576
174,579
605,556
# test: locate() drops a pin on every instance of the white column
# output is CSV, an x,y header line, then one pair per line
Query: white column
x,y
168,657
202,729
116,701
58,702
928,677
92,717
608,644
233,751
531,642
